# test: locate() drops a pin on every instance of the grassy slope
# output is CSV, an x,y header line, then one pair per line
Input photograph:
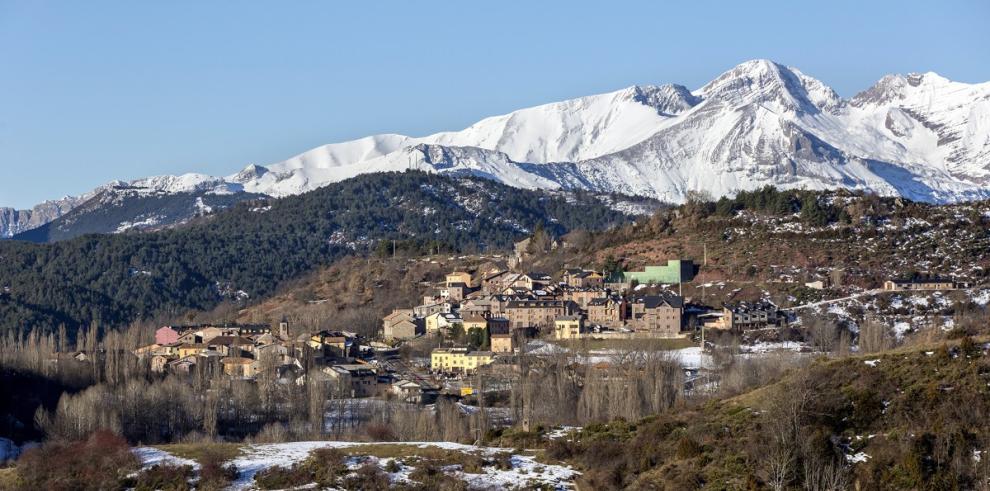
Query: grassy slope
x,y
918,413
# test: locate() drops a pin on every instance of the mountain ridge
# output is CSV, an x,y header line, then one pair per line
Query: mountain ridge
x,y
918,135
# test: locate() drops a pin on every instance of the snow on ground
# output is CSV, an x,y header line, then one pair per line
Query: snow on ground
x,y
901,328
255,458
857,457
562,431
150,456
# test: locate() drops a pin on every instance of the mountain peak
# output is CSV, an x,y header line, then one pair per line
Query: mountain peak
x,y
667,99
767,82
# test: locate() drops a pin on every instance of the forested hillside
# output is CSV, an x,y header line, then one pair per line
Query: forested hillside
x,y
246,251
123,209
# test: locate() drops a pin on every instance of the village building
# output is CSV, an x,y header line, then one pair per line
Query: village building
x,y
331,344
146,350
503,343
609,311
582,296
676,271
414,391
455,292
230,345
458,360
166,335
537,313
923,284
568,327
159,363
460,277
532,281
354,380
238,366
428,309
402,324
184,364
499,325
191,349
580,278
435,322
475,322
658,314
744,315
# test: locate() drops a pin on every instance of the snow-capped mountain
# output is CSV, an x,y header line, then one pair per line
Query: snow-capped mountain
x,y
920,136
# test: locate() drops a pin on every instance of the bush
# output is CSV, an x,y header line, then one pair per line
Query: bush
x,y
164,477
393,466
279,477
687,448
326,465
368,478
380,433
98,463
212,473
430,474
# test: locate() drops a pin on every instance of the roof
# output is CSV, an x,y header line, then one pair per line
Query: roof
x,y
599,301
230,340
654,301
523,304
745,307
568,318
397,314
538,275
921,281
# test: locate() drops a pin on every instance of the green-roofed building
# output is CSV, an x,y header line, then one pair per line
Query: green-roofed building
x,y
676,271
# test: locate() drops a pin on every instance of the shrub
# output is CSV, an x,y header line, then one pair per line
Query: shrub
x,y
380,433
326,465
431,476
164,477
279,477
98,463
212,473
393,466
687,448
368,478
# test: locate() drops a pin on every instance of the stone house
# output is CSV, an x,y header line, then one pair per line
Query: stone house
x,y
402,324
354,380
659,314
537,313
609,311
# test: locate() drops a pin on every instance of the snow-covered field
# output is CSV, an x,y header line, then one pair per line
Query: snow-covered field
x,y
258,457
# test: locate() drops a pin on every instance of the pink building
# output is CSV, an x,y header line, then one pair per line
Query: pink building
x,y
166,335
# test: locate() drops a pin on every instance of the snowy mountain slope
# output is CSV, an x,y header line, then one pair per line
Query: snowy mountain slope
x,y
759,123
919,135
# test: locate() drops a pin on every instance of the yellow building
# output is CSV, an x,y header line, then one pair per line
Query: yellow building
x,y
503,343
191,349
439,320
459,360
459,277
568,327
475,322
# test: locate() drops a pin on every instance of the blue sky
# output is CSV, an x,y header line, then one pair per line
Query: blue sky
x,y
93,91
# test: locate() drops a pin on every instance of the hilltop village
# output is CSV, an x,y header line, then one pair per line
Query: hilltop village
x,y
475,321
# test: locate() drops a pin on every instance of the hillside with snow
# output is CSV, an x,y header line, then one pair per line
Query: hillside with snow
x,y
919,136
